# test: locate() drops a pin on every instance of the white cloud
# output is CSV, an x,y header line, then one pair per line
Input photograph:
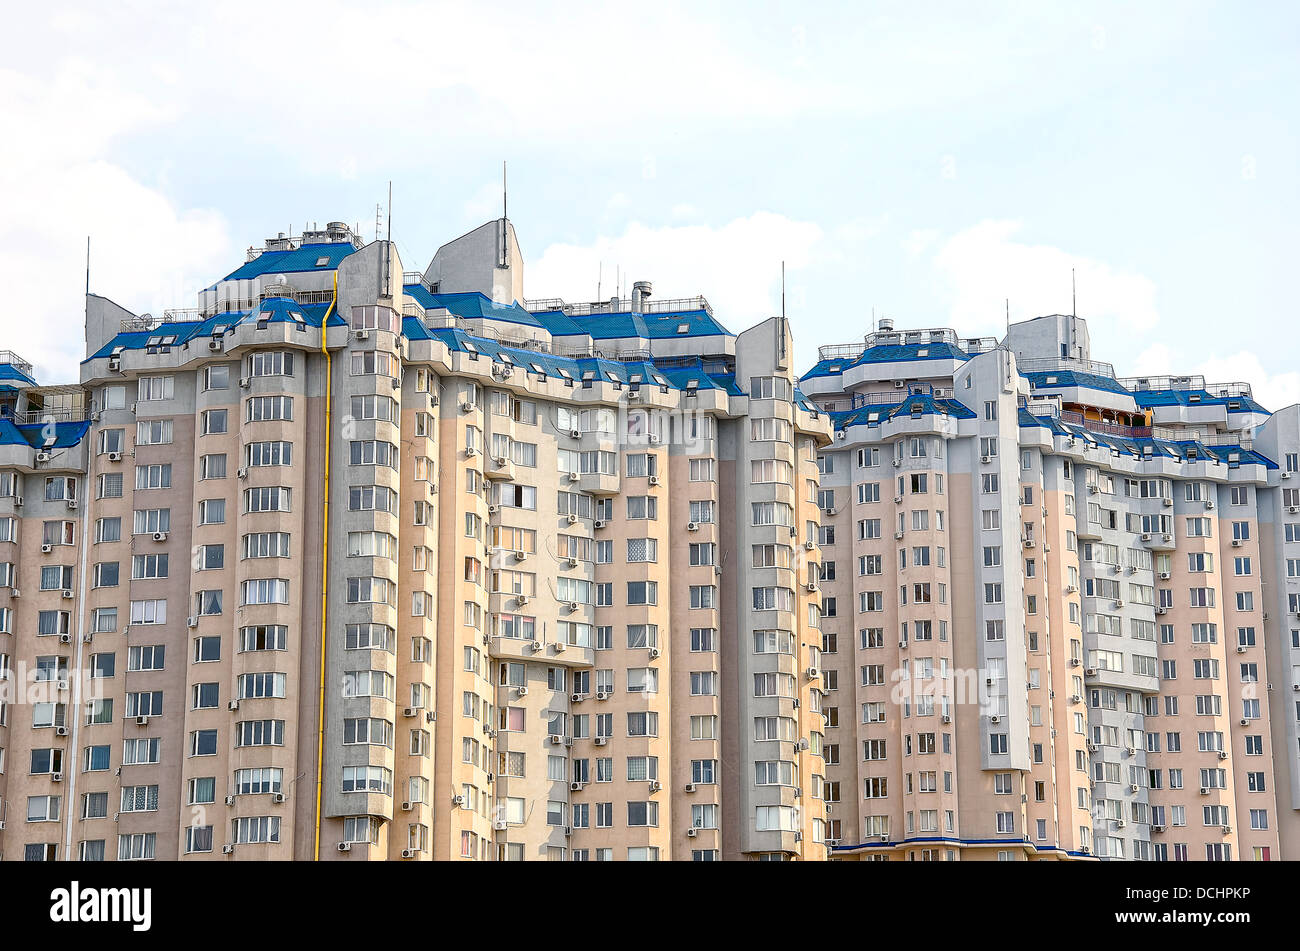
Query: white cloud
x,y
736,266
984,265
145,253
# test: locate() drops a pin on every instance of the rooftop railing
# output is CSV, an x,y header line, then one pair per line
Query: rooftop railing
x,y
1192,381
1040,364
15,361
619,306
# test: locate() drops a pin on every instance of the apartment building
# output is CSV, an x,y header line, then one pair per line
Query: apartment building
x,y
349,562
353,563
1060,609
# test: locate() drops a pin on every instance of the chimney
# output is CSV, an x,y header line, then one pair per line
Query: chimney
x,y
640,294
885,324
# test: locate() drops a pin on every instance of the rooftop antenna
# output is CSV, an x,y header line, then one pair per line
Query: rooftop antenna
x,y
377,220
600,273
504,191
87,265
1074,309
1008,316
388,230
783,291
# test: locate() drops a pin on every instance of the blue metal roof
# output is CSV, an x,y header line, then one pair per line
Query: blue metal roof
x,y
890,353
686,323
300,259
33,434
1060,379
10,373
471,305
1183,450
1242,404
917,404
273,310
600,369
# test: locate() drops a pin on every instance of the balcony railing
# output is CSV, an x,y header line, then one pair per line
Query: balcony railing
x,y
1039,364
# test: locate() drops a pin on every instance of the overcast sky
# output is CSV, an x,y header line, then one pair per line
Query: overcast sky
x,y
925,160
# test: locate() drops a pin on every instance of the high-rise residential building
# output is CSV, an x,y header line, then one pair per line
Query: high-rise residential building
x,y
1061,610
358,563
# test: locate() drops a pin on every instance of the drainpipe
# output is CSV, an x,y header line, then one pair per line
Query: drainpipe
x,y
75,708
324,567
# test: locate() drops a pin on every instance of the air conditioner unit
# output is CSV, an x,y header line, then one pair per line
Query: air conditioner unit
x,y
493,509
537,647
575,433
986,459
42,457
1074,662
1286,475
60,731
655,785
1029,543
46,549
812,586
88,637
1071,588
573,520
521,691
67,592
142,720
1167,537
574,477
15,593
1209,503
1119,602
115,364
192,621
229,849
408,853
571,606
653,653
1293,509
653,480
1146,536
1241,649
1244,722
898,535
995,719
898,500
692,526
572,562
1090,672
243,472
577,698
556,739
160,536
278,797
407,807
899,384
1223,754
812,673
18,501
114,457
690,787
947,718
601,740
1120,823
1164,576
1157,828
653,439
1132,787
233,705
361,334
604,694
1092,747
244,382
458,801
501,462
692,832
230,800
1205,790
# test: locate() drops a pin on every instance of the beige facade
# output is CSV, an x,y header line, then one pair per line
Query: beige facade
x,y
351,563
393,572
